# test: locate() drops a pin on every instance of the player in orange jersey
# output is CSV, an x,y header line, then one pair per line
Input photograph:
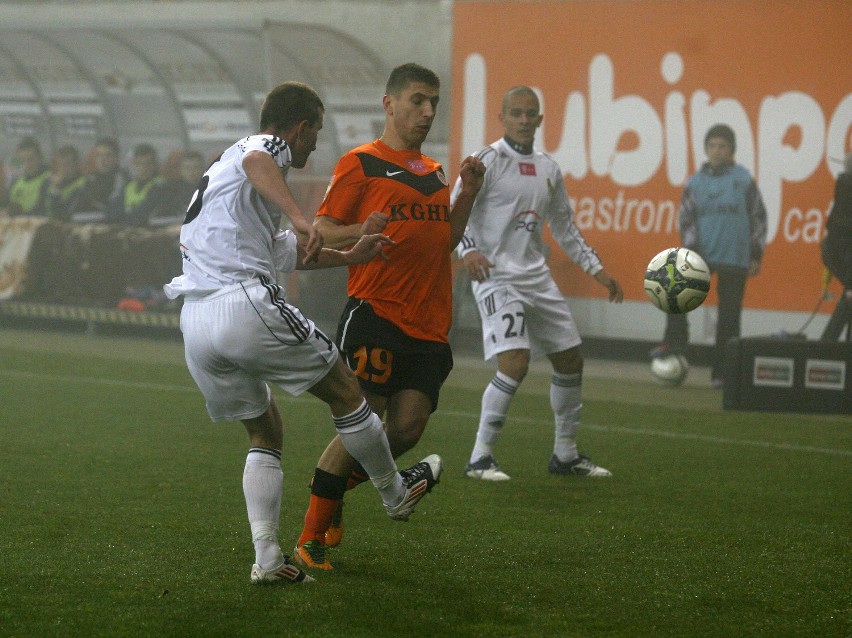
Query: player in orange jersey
x,y
394,329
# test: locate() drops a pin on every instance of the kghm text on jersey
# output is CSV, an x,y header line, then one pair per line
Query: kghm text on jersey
x,y
419,212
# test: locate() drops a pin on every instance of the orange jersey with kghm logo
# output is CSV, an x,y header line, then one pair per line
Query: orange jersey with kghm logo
x,y
414,288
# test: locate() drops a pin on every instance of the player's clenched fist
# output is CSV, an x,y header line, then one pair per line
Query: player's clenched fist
x,y
472,172
375,223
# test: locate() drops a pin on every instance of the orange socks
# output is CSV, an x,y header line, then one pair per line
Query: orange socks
x,y
326,492
317,519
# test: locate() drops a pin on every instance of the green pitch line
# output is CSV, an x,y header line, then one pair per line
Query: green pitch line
x,y
460,414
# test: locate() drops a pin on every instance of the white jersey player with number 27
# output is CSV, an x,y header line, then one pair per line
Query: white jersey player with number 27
x,y
520,194
524,315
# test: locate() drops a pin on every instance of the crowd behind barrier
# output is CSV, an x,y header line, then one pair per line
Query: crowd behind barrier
x,y
85,229
96,186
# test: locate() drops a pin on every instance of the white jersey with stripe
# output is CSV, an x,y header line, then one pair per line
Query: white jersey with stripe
x,y
231,234
519,195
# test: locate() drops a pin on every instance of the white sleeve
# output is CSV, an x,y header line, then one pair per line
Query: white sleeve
x,y
467,244
560,217
284,251
273,146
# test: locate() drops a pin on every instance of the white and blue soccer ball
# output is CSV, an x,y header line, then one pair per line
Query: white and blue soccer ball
x,y
677,280
670,369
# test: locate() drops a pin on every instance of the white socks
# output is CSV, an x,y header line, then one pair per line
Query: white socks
x,y
565,390
364,438
262,484
495,406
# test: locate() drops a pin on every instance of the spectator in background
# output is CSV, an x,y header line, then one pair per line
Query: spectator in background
x,y
179,191
143,197
65,192
106,183
723,219
28,193
837,252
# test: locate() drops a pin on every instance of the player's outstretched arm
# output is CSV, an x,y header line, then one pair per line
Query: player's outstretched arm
x,y
338,235
366,249
472,173
266,177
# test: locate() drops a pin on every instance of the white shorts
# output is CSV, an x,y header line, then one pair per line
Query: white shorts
x,y
243,336
537,320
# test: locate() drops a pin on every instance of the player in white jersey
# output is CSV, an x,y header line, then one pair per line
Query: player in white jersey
x,y
523,312
240,334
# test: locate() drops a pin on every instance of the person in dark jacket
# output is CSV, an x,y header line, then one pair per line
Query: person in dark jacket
x,y
837,252
144,196
65,193
106,182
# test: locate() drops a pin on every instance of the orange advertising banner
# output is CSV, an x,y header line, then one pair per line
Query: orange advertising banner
x,y
628,91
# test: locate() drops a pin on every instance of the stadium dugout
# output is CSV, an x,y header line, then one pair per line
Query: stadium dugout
x,y
192,75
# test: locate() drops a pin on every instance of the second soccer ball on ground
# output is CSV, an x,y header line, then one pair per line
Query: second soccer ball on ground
x,y
670,369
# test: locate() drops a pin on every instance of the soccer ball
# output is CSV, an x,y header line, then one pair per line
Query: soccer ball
x,y
670,369
677,280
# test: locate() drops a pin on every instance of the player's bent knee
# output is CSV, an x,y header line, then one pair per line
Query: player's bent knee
x,y
339,389
404,436
514,363
265,430
567,361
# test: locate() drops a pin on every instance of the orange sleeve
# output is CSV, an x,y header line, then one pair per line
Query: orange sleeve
x,y
345,192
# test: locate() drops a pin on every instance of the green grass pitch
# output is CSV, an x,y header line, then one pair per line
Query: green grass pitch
x,y
122,513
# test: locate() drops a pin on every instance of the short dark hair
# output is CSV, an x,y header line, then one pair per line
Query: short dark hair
x,y
724,132
144,149
288,104
29,144
405,74
193,155
109,142
68,151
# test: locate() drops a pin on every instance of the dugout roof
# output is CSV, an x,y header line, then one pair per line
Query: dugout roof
x,y
180,88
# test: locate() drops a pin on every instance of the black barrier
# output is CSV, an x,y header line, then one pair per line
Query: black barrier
x,y
106,316
788,375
